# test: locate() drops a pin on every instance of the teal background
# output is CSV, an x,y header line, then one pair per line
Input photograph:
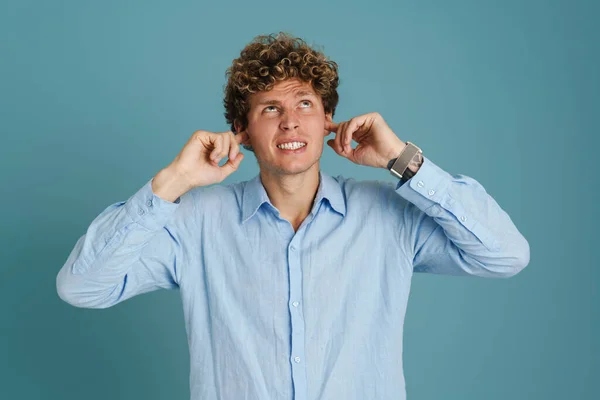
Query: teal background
x,y
97,97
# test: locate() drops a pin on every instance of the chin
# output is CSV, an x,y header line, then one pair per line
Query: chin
x,y
291,168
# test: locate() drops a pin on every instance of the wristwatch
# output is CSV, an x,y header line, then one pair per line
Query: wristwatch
x,y
399,166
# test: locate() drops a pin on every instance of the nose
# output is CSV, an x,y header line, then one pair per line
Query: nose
x,y
289,121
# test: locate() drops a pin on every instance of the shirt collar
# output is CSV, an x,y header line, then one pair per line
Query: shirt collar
x,y
255,195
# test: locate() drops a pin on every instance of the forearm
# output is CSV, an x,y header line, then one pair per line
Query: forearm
x,y
458,228
169,185
95,273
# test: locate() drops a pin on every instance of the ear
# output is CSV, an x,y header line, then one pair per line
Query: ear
x,y
328,118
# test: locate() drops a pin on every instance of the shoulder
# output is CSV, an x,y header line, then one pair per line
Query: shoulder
x,y
376,198
218,198
378,191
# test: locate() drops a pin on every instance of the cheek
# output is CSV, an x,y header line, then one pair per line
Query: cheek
x,y
261,131
316,125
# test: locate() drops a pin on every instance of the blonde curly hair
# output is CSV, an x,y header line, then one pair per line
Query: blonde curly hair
x,y
269,59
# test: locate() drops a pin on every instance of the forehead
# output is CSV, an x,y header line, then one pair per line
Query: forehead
x,y
283,89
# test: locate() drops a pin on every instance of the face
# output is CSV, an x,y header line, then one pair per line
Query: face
x,y
286,127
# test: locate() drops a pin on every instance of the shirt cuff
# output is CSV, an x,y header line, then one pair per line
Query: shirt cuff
x,y
148,210
431,191
429,186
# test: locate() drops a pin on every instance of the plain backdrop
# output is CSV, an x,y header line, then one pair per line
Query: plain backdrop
x,y
97,96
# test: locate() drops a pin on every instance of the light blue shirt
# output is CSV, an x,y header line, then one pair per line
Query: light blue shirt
x,y
275,314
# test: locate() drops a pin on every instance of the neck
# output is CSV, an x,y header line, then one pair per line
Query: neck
x,y
292,195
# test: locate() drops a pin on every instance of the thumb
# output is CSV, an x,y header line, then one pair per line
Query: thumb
x,y
331,143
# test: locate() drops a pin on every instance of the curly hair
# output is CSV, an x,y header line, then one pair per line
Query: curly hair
x,y
269,59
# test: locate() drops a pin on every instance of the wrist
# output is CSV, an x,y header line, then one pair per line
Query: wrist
x,y
393,155
403,166
169,185
416,163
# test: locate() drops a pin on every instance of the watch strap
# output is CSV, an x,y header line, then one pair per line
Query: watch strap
x,y
399,166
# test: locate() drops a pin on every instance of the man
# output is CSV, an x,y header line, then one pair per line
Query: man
x,y
294,284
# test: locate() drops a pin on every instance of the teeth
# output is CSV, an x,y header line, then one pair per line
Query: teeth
x,y
292,145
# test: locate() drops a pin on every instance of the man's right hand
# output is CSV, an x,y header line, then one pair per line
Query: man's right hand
x,y
198,163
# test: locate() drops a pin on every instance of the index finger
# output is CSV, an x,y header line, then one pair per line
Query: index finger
x,y
331,126
240,136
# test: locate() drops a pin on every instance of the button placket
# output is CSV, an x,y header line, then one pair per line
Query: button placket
x,y
297,322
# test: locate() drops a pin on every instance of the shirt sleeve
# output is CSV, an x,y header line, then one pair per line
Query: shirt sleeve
x,y
454,227
130,248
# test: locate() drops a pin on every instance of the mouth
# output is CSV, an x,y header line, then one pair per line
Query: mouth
x,y
292,147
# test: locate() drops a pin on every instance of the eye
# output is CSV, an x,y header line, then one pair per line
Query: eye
x,y
272,107
306,102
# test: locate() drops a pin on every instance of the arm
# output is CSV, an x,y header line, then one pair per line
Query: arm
x,y
454,227
448,224
131,248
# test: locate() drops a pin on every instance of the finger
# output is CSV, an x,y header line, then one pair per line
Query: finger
x,y
338,136
331,143
231,165
353,126
241,136
218,143
331,126
334,143
225,149
234,147
343,137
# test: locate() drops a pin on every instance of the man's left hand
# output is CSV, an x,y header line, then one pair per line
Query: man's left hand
x,y
377,143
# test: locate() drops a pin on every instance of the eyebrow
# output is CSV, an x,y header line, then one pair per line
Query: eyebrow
x,y
276,102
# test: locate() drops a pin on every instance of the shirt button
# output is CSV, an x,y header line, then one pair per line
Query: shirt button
x,y
431,192
463,218
149,203
292,248
420,184
140,211
297,359
295,304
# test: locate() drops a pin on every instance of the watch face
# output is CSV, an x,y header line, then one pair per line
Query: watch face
x,y
399,167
